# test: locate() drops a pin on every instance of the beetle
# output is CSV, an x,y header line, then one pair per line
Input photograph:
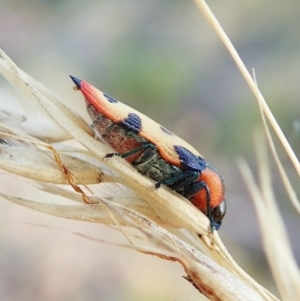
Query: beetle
x,y
156,152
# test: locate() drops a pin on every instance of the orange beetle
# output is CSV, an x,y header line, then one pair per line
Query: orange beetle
x,y
156,152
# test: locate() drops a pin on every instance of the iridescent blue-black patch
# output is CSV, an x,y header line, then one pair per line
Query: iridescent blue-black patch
x,y
110,98
165,130
133,122
190,160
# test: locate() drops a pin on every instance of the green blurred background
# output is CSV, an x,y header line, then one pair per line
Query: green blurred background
x,y
162,58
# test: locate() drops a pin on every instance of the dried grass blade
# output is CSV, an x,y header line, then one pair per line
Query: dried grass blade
x,y
276,245
205,10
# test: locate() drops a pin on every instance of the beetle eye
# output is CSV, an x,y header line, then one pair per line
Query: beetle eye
x,y
218,212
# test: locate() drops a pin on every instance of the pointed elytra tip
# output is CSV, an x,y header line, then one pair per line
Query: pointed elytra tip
x,y
76,81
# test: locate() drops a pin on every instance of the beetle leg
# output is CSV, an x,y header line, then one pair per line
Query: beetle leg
x,y
184,178
193,189
131,152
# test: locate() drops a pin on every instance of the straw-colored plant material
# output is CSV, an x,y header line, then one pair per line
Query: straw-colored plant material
x,y
205,10
278,250
123,198
287,184
164,223
277,247
41,123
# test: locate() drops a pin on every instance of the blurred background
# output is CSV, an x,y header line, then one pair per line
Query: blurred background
x,y
162,58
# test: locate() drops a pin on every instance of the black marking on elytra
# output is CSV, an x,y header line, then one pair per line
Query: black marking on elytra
x,y
110,98
76,81
188,159
165,130
133,122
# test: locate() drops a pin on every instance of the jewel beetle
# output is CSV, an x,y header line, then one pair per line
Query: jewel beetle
x,y
156,152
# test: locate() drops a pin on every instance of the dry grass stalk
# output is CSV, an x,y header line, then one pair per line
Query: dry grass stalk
x,y
207,13
123,196
277,247
137,207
